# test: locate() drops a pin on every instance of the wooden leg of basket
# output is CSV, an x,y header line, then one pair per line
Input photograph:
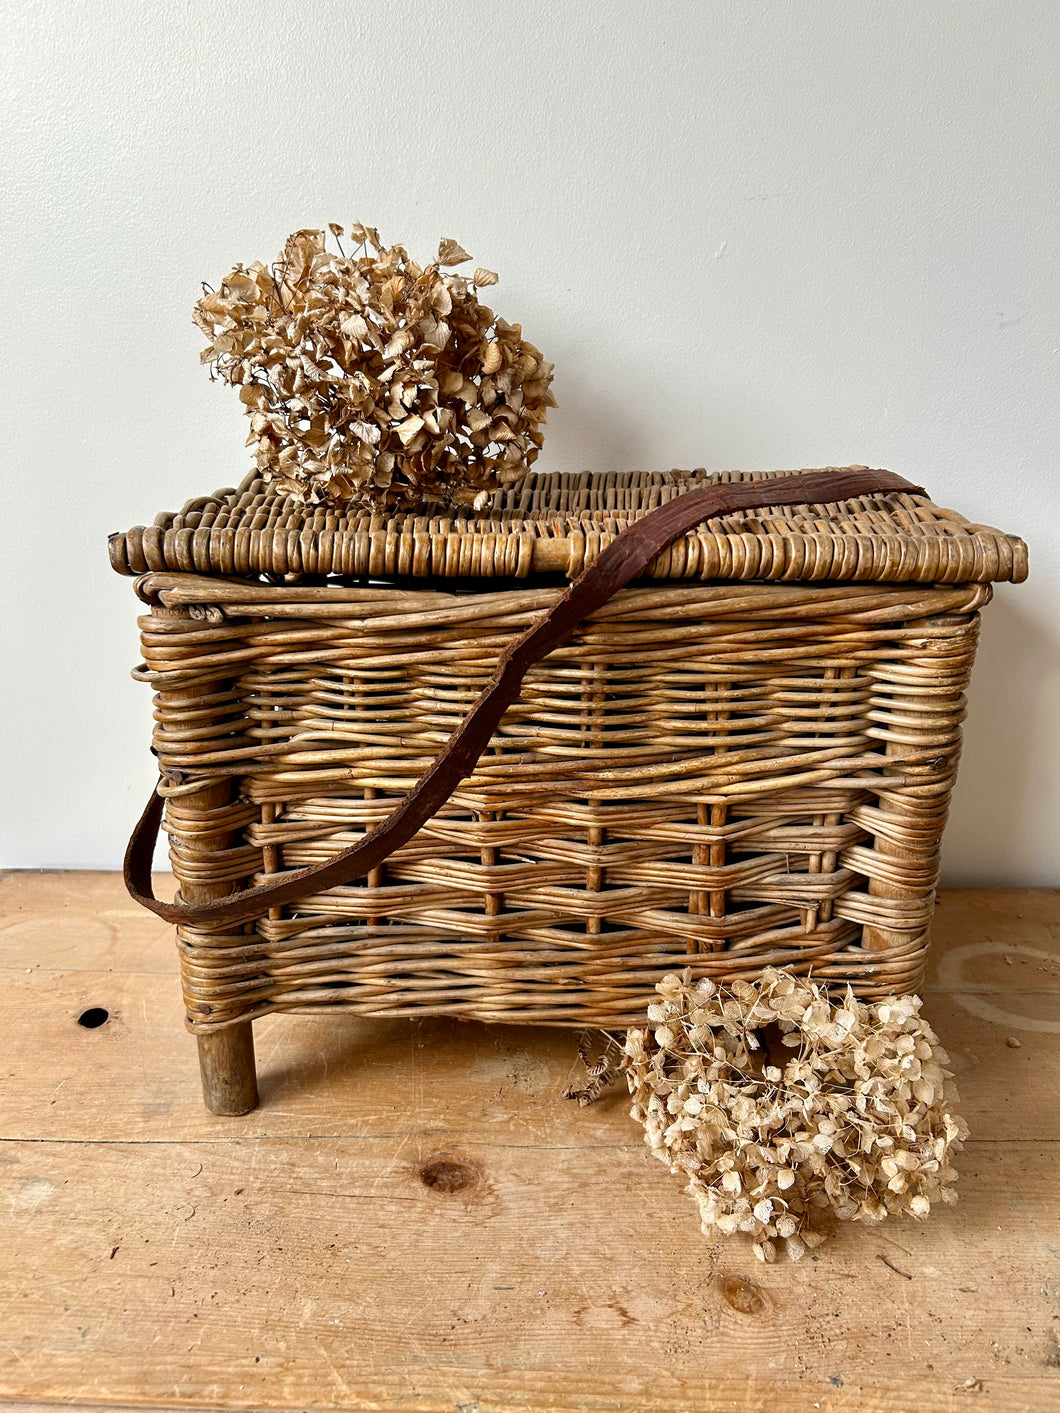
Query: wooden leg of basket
x,y
226,1057
226,1061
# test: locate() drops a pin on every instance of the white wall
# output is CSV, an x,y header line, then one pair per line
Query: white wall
x,y
751,233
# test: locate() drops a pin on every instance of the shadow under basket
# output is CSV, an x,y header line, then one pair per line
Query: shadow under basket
x,y
741,759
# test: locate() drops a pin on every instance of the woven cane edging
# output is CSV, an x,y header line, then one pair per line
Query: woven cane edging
x,y
559,523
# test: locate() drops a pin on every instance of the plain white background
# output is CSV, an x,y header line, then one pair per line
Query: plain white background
x,y
751,233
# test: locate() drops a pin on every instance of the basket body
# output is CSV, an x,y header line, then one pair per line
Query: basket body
x,y
722,776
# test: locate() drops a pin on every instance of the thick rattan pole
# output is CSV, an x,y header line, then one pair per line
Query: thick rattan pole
x,y
226,1063
226,1057
919,709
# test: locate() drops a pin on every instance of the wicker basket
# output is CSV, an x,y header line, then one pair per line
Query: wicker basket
x,y
744,758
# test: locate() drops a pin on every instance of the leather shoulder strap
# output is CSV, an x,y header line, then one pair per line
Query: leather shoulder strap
x,y
626,558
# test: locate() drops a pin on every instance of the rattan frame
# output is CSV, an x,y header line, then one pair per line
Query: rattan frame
x,y
783,746
721,775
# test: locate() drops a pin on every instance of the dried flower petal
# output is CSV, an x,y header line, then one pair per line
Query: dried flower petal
x,y
492,358
450,252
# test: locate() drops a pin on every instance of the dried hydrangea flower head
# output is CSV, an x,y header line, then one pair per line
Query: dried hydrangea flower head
x,y
783,1109
373,381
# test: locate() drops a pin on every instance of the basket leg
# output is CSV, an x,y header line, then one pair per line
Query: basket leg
x,y
226,1062
226,1057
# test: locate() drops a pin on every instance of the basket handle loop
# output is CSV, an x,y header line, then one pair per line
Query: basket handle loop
x,y
625,558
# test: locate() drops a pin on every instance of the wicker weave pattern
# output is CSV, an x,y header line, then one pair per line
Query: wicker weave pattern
x,y
560,523
721,776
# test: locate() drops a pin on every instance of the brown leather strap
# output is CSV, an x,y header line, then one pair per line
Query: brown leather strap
x,y
627,557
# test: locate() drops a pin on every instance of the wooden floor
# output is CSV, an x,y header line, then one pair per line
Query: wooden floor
x,y
414,1219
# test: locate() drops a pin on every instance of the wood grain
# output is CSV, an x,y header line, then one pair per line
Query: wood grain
x,y
414,1219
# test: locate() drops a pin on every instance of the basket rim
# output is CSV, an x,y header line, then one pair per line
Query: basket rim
x,y
558,522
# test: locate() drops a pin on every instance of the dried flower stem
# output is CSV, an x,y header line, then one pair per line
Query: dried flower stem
x,y
601,1072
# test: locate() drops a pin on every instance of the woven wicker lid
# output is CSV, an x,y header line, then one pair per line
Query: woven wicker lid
x,y
560,523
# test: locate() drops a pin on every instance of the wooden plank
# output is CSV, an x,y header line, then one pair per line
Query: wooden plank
x,y
252,1272
414,1219
1025,1397
77,920
135,1077
286,1271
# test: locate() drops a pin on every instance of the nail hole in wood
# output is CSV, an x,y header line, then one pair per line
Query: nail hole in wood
x,y
93,1018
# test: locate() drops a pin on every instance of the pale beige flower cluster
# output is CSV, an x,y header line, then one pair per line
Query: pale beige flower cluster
x,y
373,381
784,1109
